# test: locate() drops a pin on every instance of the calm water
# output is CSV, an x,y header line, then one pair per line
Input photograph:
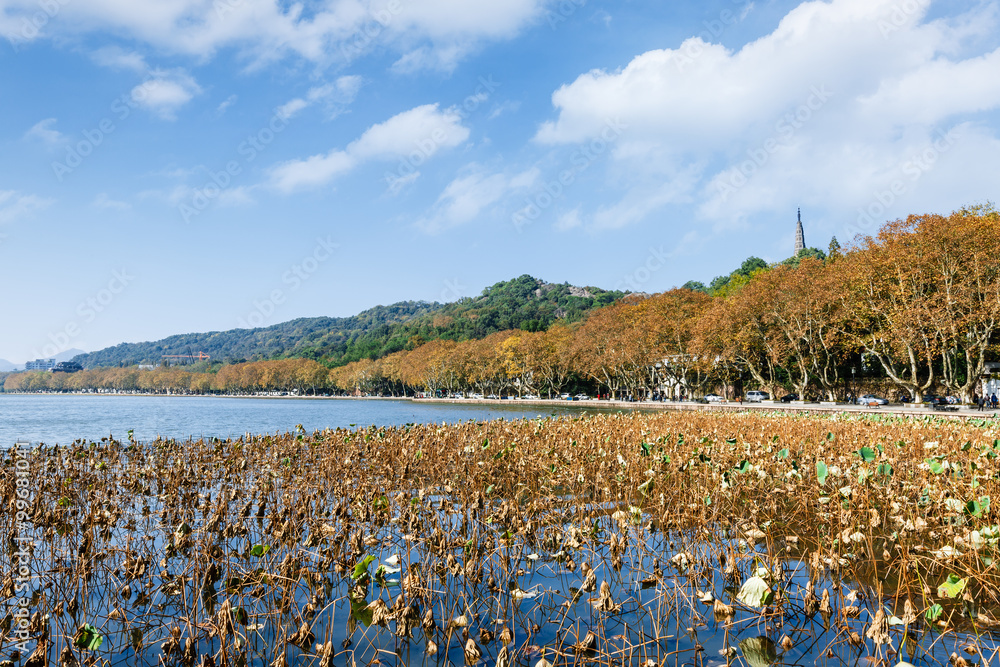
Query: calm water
x,y
61,419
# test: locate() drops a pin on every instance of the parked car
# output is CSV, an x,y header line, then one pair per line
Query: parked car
x,y
477,397
868,399
493,397
788,398
582,397
565,397
714,398
529,397
757,396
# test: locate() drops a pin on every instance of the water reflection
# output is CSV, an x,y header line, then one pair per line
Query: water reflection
x,y
759,651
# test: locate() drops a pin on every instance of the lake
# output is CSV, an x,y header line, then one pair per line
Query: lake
x,y
60,419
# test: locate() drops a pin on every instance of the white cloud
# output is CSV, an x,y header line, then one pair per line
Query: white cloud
x,y
423,130
336,96
226,103
44,131
642,201
416,135
525,179
165,92
104,201
570,220
184,194
918,95
822,110
237,196
311,172
398,183
437,34
162,91
174,196
443,59
291,107
341,91
116,57
14,205
504,107
444,20
464,200
266,30
601,16
472,196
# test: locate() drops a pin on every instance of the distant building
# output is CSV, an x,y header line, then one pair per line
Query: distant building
x,y
800,236
40,365
991,378
67,367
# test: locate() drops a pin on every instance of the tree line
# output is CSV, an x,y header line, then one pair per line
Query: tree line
x,y
917,305
303,376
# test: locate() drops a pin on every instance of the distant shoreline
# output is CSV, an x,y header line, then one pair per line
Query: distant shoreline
x,y
963,412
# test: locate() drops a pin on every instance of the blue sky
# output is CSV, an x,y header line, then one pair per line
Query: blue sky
x,y
196,165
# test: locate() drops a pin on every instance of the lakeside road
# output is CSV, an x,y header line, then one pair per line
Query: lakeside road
x,y
960,411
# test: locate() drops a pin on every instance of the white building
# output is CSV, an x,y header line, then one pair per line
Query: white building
x,y
991,379
40,365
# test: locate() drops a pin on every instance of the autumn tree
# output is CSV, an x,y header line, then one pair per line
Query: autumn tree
x,y
888,293
670,326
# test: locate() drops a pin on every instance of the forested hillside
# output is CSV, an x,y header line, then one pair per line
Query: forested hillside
x,y
523,303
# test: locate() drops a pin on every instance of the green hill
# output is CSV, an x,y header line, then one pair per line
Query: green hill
x,y
522,303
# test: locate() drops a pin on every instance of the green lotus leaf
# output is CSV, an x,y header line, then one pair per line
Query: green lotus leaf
x,y
822,472
88,637
952,586
361,569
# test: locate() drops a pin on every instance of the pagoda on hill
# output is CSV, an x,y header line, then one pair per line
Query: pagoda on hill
x,y
800,237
